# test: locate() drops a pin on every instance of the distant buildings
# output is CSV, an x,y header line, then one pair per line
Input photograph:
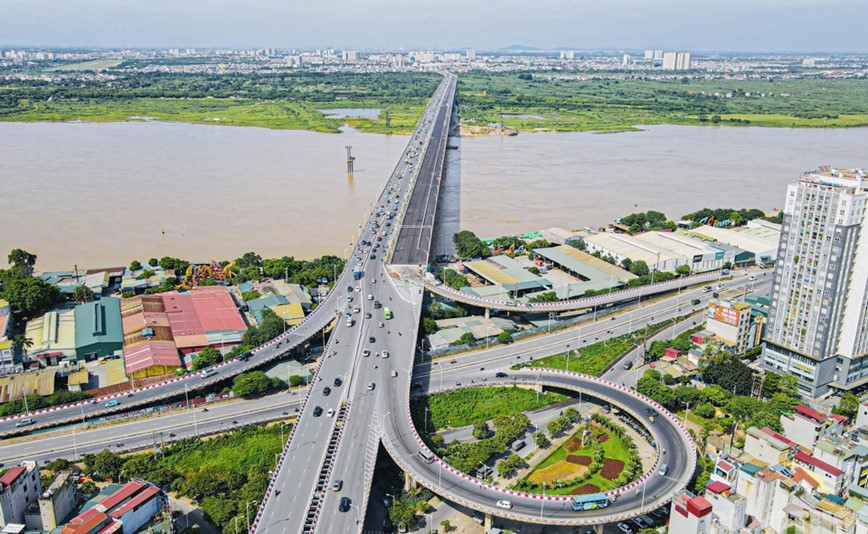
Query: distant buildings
x,y
819,307
349,56
470,54
676,61
568,54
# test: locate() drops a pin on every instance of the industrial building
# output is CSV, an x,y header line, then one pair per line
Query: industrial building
x,y
759,238
98,328
662,251
52,337
126,511
505,272
818,322
592,272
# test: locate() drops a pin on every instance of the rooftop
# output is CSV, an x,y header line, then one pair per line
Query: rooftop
x,y
745,240
807,459
99,322
583,264
630,247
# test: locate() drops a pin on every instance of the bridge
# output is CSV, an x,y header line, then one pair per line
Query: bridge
x,y
339,430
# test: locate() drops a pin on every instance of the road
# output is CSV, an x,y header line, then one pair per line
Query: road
x,y
325,447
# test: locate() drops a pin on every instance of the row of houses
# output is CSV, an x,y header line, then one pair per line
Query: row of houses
x,y
810,477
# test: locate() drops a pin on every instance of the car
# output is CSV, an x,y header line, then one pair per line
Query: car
x,y
366,353
482,368
24,422
370,297
338,382
344,505
628,365
356,309
506,505
379,238
358,289
372,339
623,527
349,289
367,315
385,354
720,286
394,374
695,302
317,411
380,324
330,413
416,385
707,289
326,391
119,444
112,403
373,256
377,304
752,278
370,386
501,374
373,280
349,298
337,485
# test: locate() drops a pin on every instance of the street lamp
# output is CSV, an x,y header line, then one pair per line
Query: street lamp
x,y
282,443
426,419
684,421
441,374
74,445
356,506
187,399
247,510
542,504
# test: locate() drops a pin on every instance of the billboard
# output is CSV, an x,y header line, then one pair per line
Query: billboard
x,y
723,314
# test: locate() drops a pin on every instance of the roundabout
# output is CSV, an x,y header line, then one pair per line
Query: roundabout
x,y
652,489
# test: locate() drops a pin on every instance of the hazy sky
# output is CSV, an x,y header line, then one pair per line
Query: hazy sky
x,y
697,25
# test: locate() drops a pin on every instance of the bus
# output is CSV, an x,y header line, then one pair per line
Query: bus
x,y
387,313
590,502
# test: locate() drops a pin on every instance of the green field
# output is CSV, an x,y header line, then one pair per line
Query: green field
x,y
453,409
541,101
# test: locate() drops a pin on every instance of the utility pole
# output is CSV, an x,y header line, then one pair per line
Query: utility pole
x,y
350,159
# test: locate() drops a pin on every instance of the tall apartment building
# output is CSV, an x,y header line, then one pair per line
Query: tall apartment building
x,y
676,61
818,325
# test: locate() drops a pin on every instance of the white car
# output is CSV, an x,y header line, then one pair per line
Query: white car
x,y
506,505
385,354
394,374
330,413
366,353
358,289
623,527
370,297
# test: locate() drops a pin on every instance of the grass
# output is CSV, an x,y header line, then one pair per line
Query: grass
x,y
469,406
595,358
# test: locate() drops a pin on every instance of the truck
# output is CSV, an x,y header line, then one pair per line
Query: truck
x,y
357,272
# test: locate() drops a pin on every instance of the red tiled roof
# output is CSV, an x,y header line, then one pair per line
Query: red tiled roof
x,y
114,526
11,476
801,475
128,490
717,487
808,412
775,435
837,417
819,464
699,506
726,466
85,523
142,497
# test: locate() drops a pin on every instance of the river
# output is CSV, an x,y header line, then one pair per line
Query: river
x,y
101,195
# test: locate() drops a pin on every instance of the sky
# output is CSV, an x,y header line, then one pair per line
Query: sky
x,y
693,25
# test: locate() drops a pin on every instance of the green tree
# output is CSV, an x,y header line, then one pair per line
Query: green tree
x,y
639,268
88,488
541,440
20,344
505,337
481,430
467,245
547,296
453,279
206,358
135,265
31,296
728,372
153,262
715,118
509,465
429,325
58,465
250,273
82,294
705,411
401,515
249,259
682,270
251,384
104,464
466,338
295,380
446,525
848,406
22,261
626,264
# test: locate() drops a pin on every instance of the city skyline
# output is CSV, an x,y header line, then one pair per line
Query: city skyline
x,y
764,26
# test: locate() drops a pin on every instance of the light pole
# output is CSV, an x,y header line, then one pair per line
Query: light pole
x,y
642,506
282,443
675,317
247,510
83,422
187,400
542,504
684,421
74,445
441,374
426,419
356,506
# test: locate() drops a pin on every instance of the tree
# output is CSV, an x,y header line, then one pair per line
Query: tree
x,y
557,426
249,259
88,488
58,465
467,245
20,344
705,411
639,268
481,430
466,338
547,296
429,325
447,526
31,296
626,263
848,406
541,440
682,270
248,274
295,380
104,464
402,515
153,262
82,294
22,261
135,265
715,118
509,465
206,358
729,373
453,279
251,384
505,337
572,415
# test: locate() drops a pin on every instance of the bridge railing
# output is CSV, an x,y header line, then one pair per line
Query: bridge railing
x,y
557,498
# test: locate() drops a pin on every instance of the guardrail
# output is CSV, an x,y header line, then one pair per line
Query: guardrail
x,y
578,519
569,305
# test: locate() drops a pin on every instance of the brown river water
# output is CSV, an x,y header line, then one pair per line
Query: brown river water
x,y
101,195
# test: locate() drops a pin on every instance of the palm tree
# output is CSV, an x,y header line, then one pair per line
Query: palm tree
x,y
21,343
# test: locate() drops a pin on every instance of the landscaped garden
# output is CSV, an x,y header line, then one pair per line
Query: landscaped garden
x,y
599,456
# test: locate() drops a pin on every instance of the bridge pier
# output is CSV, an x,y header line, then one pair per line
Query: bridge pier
x,y
598,529
409,482
487,526
488,313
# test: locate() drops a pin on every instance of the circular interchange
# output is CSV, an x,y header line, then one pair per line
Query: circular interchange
x,y
625,503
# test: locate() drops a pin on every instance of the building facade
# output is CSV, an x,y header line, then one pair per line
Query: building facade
x,y
818,320
19,488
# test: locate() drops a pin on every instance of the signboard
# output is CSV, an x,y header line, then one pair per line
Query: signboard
x,y
697,258
723,314
719,255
